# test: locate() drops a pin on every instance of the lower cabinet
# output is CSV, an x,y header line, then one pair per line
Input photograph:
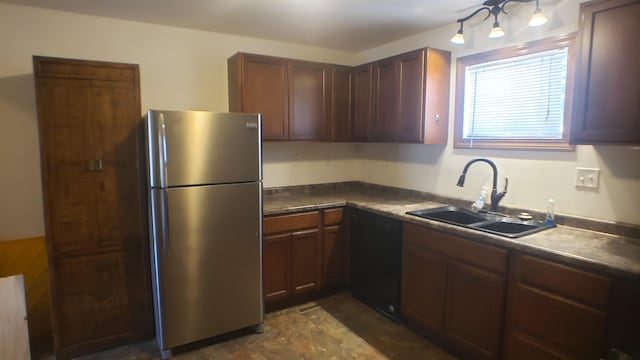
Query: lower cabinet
x,y
291,256
276,267
303,253
557,311
453,290
305,261
335,249
101,298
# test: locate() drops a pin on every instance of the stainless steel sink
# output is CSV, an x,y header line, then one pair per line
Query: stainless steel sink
x,y
487,222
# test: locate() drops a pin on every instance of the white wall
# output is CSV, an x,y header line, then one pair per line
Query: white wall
x,y
534,176
180,69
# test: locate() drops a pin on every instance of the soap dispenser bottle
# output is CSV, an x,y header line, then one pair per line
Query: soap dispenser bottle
x,y
478,205
550,214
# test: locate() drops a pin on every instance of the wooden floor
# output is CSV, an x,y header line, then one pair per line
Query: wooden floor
x,y
336,327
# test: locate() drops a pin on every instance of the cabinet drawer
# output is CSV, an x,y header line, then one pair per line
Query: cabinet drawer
x,y
333,216
469,252
281,223
570,282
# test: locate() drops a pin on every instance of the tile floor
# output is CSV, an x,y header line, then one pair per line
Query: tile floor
x,y
335,327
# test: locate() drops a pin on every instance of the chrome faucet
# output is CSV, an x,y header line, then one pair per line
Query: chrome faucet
x,y
495,195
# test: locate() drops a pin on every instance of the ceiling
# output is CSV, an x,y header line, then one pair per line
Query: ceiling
x,y
350,25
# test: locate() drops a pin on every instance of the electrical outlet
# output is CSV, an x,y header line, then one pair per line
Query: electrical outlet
x,y
587,178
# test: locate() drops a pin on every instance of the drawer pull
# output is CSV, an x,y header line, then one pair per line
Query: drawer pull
x,y
306,286
305,232
276,293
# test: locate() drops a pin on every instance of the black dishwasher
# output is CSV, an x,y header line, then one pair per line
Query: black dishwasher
x,y
375,254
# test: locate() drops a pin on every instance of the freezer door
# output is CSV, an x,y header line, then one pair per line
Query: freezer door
x,y
198,147
208,259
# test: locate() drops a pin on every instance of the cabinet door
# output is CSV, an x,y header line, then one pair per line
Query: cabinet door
x,y
264,90
308,101
276,260
607,95
435,128
386,100
362,103
305,261
119,196
475,306
67,145
101,296
92,203
553,325
340,103
334,255
411,97
557,311
423,287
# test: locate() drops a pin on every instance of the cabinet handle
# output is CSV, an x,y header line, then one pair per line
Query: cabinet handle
x,y
94,165
306,286
276,293
305,232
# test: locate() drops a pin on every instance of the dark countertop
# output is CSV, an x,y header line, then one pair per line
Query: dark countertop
x,y
614,254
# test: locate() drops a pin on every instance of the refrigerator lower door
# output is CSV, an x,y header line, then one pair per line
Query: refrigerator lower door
x,y
208,265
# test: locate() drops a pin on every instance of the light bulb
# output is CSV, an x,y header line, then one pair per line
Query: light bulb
x,y
458,38
538,18
496,31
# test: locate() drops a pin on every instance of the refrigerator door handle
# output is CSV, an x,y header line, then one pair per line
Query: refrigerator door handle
x,y
162,138
165,223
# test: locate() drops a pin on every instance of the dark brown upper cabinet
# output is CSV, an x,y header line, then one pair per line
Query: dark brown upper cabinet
x,y
362,93
607,94
404,98
309,100
258,84
292,96
341,100
386,99
412,97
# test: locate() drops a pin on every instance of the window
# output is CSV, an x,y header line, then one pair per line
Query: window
x,y
517,97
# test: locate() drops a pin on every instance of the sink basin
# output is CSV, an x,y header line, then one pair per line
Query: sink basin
x,y
487,222
449,214
512,229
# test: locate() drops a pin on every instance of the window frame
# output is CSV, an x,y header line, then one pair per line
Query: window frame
x,y
555,42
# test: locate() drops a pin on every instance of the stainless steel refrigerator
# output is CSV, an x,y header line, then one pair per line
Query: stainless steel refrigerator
x,y
205,209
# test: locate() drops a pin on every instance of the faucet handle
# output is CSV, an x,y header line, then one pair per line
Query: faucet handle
x,y
506,185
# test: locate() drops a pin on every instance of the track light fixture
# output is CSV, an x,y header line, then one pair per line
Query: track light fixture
x,y
495,7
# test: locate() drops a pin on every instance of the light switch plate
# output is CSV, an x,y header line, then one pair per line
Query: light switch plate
x,y
587,178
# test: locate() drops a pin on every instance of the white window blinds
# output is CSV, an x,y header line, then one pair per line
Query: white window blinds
x,y
516,98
